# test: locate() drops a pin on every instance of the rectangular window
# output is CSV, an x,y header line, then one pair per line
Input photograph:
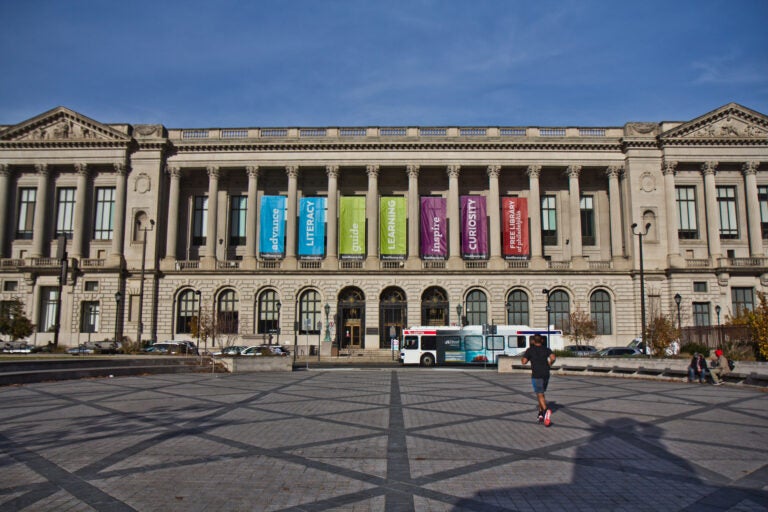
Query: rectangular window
x,y
10,286
105,213
587,220
237,210
91,286
65,212
89,321
762,198
26,225
701,314
687,228
726,203
548,220
742,299
48,299
199,220
700,286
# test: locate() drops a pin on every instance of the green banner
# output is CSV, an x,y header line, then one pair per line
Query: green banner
x,y
392,227
352,228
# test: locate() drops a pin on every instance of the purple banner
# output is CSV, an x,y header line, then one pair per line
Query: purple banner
x,y
474,228
434,232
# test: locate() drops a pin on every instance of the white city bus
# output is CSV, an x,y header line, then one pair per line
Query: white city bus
x,y
471,344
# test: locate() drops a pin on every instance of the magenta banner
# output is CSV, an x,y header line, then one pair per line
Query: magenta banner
x,y
474,228
434,229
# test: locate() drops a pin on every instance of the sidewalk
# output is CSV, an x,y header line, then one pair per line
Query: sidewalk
x,y
380,440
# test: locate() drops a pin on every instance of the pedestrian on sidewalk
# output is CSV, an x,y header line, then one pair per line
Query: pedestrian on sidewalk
x,y
541,358
718,367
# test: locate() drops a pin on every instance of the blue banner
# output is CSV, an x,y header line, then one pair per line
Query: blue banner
x,y
311,228
272,227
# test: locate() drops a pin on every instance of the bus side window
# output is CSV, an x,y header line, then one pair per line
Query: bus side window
x,y
494,342
411,343
517,341
429,343
473,342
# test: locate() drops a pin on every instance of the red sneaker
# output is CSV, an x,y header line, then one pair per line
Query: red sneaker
x,y
547,418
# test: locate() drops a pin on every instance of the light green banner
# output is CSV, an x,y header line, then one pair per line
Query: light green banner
x,y
393,218
352,228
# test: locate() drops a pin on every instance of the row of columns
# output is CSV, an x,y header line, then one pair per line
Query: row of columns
x,y
708,171
44,210
372,211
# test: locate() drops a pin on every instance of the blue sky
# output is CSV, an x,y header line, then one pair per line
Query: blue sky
x,y
229,63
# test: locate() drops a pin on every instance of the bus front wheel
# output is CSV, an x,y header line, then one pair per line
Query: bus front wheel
x,y
427,360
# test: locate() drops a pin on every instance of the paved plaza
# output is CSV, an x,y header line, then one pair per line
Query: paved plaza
x,y
380,440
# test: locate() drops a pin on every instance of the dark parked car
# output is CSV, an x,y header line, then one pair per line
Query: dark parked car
x,y
581,350
619,352
172,347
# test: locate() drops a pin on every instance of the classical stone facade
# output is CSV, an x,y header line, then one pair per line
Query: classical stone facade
x,y
218,222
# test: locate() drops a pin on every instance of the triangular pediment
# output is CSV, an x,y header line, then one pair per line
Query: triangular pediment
x,y
62,124
729,122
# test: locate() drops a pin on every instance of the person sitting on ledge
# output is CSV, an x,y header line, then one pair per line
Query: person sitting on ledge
x,y
697,370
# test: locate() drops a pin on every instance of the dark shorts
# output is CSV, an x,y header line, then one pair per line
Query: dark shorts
x,y
540,385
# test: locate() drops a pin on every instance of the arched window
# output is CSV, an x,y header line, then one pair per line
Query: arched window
x,y
560,310
186,311
268,319
517,308
309,312
477,308
434,307
600,309
227,313
393,312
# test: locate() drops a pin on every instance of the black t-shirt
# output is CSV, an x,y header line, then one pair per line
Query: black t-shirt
x,y
538,356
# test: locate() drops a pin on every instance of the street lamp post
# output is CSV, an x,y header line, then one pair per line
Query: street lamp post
x,y
640,235
509,312
199,294
545,291
118,298
141,283
278,306
678,300
327,324
719,330
458,312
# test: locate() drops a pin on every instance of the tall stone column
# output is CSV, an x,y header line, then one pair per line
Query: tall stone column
x,y
372,212
534,214
414,217
754,223
494,235
209,259
708,169
674,258
249,261
39,237
172,232
332,226
614,211
290,228
454,214
118,234
76,250
5,175
574,212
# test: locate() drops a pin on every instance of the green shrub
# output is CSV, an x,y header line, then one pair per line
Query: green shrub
x,y
691,348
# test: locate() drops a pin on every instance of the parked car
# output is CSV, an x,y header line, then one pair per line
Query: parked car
x,y
18,347
258,350
619,352
581,350
232,350
172,347
81,350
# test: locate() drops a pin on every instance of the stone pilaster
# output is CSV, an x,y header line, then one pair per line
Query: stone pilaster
x,y
709,169
251,226
494,236
754,222
372,212
454,214
118,236
208,261
5,174
332,226
574,213
414,217
534,214
292,171
42,210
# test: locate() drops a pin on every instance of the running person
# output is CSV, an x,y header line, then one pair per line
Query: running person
x,y
541,359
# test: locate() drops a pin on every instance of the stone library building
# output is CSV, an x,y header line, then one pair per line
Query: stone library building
x,y
337,238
